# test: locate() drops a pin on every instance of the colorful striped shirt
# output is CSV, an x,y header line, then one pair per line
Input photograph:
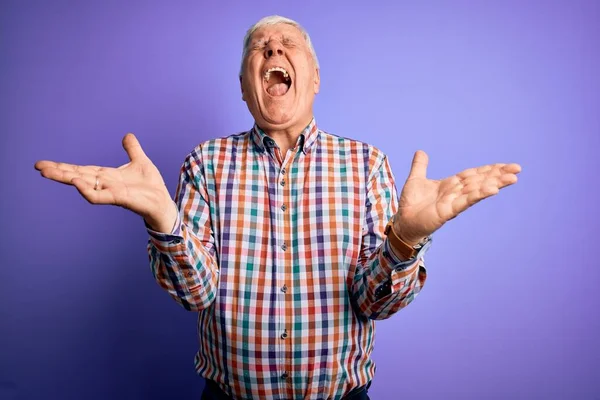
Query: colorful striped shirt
x,y
284,258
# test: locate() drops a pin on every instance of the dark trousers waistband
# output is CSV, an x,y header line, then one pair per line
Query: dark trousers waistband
x,y
212,391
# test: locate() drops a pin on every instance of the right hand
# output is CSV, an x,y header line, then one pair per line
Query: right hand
x,y
136,186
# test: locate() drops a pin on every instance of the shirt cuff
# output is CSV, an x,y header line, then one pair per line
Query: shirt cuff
x,y
175,237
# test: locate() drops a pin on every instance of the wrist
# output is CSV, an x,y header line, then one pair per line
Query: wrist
x,y
404,247
164,219
406,237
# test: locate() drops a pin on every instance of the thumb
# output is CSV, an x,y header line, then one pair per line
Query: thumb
x,y
419,165
133,147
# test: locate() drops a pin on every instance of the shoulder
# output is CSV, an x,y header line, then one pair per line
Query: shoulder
x,y
218,147
224,144
366,152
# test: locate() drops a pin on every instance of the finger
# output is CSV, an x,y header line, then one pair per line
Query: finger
x,y
488,173
456,185
507,180
483,193
467,173
65,176
45,164
482,170
511,168
497,182
133,148
101,195
476,186
485,169
40,165
59,175
474,179
468,199
97,182
419,165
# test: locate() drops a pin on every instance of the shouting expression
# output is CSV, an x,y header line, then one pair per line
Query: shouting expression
x,y
279,78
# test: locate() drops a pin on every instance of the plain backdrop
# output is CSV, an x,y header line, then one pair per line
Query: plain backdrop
x,y
510,308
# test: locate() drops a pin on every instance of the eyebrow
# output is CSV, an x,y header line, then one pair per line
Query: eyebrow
x,y
284,38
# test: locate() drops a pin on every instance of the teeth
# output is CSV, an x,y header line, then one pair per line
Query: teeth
x,y
280,69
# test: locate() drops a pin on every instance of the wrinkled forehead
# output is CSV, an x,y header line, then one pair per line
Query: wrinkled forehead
x,y
277,31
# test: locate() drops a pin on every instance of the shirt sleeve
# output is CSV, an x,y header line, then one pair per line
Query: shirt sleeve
x,y
382,284
184,261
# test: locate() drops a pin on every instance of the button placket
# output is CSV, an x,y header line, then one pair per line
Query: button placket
x,y
284,202
280,227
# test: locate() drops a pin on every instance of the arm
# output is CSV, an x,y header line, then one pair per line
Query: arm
x,y
184,261
383,284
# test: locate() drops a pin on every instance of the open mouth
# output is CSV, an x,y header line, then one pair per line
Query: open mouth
x,y
277,81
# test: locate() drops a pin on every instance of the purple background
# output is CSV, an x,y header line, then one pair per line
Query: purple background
x,y
510,309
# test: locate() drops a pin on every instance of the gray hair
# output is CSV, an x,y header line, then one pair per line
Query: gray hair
x,y
274,20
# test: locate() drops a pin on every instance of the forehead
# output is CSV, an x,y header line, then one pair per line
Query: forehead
x,y
277,30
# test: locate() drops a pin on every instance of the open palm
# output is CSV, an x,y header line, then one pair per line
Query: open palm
x,y
137,186
425,204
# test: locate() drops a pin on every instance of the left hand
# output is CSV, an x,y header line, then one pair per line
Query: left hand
x,y
425,204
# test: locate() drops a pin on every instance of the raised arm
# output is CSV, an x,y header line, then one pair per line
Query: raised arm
x,y
136,186
181,246
385,282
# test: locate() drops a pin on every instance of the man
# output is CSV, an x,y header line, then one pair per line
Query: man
x,y
288,241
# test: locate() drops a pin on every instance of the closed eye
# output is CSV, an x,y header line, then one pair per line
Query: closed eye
x,y
287,42
259,45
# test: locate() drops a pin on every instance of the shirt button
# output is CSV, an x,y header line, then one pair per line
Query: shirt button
x,y
282,182
284,288
284,335
283,247
283,207
285,375
283,171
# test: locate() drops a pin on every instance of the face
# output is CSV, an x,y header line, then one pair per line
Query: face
x,y
280,78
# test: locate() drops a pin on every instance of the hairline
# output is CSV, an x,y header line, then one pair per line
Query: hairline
x,y
276,20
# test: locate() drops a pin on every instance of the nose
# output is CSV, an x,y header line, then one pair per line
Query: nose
x,y
273,48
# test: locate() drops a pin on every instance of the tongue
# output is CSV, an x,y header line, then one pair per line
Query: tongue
x,y
278,89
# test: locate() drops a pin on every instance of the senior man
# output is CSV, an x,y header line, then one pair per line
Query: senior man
x,y
288,241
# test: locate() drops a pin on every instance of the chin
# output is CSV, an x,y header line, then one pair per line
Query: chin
x,y
277,115
278,119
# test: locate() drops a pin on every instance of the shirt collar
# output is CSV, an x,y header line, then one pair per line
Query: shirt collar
x,y
306,140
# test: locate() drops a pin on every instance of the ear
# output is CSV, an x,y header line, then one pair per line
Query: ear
x,y
317,81
242,89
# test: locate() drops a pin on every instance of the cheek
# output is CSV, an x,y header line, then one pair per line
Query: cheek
x,y
249,83
251,67
309,82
